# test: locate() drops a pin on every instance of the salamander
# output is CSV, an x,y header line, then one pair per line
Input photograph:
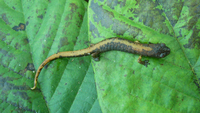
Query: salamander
x,y
159,50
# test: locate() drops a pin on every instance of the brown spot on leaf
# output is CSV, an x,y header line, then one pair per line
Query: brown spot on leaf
x,y
27,23
20,27
30,67
26,41
17,46
5,19
63,41
40,16
73,7
81,62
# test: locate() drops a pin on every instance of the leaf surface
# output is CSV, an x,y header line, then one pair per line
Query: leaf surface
x,y
30,32
170,84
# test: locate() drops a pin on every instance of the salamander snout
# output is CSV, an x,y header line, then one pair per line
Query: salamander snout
x,y
163,50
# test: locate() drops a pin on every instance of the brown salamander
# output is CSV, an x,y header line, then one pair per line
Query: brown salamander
x,y
119,44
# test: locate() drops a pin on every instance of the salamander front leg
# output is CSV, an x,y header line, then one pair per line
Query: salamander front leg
x,y
96,56
145,62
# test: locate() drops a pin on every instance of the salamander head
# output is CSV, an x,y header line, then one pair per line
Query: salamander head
x,y
162,51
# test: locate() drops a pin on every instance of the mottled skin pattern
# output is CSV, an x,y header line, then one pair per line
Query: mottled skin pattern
x,y
119,44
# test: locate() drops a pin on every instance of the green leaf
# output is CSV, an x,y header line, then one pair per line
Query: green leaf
x,y
170,84
30,32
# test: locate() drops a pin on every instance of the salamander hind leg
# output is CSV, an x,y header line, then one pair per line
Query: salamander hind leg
x,y
96,56
145,62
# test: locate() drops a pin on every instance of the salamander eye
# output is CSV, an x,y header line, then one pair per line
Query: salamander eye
x,y
162,55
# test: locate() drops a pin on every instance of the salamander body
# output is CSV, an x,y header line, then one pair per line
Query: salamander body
x,y
119,44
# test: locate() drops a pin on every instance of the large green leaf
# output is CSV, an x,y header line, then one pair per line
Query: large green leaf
x,y
170,84
51,26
